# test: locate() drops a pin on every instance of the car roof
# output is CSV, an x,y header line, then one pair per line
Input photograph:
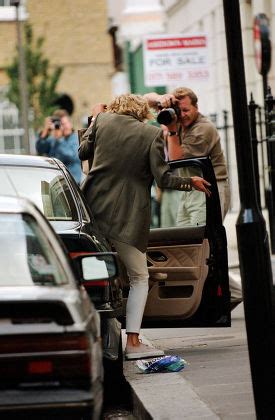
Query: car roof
x,y
28,160
12,204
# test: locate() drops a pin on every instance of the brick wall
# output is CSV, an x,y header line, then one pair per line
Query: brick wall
x,y
7,47
76,38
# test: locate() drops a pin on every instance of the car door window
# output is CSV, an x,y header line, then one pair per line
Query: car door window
x,y
179,208
26,254
46,188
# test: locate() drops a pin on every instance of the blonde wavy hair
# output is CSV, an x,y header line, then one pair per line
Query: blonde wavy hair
x,y
130,104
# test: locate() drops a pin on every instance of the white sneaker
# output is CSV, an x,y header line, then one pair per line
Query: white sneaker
x,y
142,351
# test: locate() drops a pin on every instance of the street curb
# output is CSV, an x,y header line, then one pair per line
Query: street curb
x,y
163,396
139,410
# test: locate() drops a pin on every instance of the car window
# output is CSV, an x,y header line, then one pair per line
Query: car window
x,y
26,256
172,208
48,189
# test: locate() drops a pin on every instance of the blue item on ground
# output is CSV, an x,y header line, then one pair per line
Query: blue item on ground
x,y
162,364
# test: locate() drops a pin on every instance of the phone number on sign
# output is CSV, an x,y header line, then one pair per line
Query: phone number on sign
x,y
165,76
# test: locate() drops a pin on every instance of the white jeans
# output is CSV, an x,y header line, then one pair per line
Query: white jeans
x,y
136,265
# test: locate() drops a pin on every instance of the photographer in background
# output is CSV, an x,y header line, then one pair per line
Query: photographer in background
x,y
58,140
191,134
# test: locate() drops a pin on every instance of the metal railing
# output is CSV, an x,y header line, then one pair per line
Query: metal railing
x,y
225,129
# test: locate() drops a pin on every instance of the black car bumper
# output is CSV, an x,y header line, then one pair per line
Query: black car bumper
x,y
50,403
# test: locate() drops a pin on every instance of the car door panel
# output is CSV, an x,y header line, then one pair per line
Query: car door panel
x,y
178,292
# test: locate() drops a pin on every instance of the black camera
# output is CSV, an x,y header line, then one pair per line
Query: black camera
x,y
167,115
56,122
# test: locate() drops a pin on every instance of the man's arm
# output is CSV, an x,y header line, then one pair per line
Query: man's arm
x,y
44,141
173,145
154,100
43,145
86,147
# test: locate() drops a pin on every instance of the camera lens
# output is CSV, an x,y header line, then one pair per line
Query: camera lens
x,y
56,123
166,116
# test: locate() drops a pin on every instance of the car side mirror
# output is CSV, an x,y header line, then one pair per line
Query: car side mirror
x,y
99,266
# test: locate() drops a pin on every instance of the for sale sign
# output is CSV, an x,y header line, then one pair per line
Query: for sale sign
x,y
174,59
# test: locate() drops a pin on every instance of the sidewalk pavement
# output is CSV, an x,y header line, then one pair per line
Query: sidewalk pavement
x,y
216,382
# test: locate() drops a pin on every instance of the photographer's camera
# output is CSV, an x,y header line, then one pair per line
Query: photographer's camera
x,y
167,115
56,122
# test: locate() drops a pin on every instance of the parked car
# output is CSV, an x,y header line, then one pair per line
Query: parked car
x,y
50,186
188,266
50,344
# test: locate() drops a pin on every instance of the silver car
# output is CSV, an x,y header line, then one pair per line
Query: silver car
x,y
50,347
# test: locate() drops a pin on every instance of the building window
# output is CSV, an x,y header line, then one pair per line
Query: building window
x,y
11,133
5,2
7,11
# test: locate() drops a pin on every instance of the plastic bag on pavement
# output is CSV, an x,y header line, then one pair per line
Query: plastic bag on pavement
x,y
161,364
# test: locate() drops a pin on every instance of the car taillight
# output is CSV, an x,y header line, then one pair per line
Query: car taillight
x,y
92,283
40,367
59,358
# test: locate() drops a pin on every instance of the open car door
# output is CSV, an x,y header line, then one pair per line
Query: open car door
x,y
187,256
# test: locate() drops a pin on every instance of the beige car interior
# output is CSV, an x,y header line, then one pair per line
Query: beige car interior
x,y
177,272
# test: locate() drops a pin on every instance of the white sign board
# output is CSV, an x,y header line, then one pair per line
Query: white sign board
x,y
175,59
